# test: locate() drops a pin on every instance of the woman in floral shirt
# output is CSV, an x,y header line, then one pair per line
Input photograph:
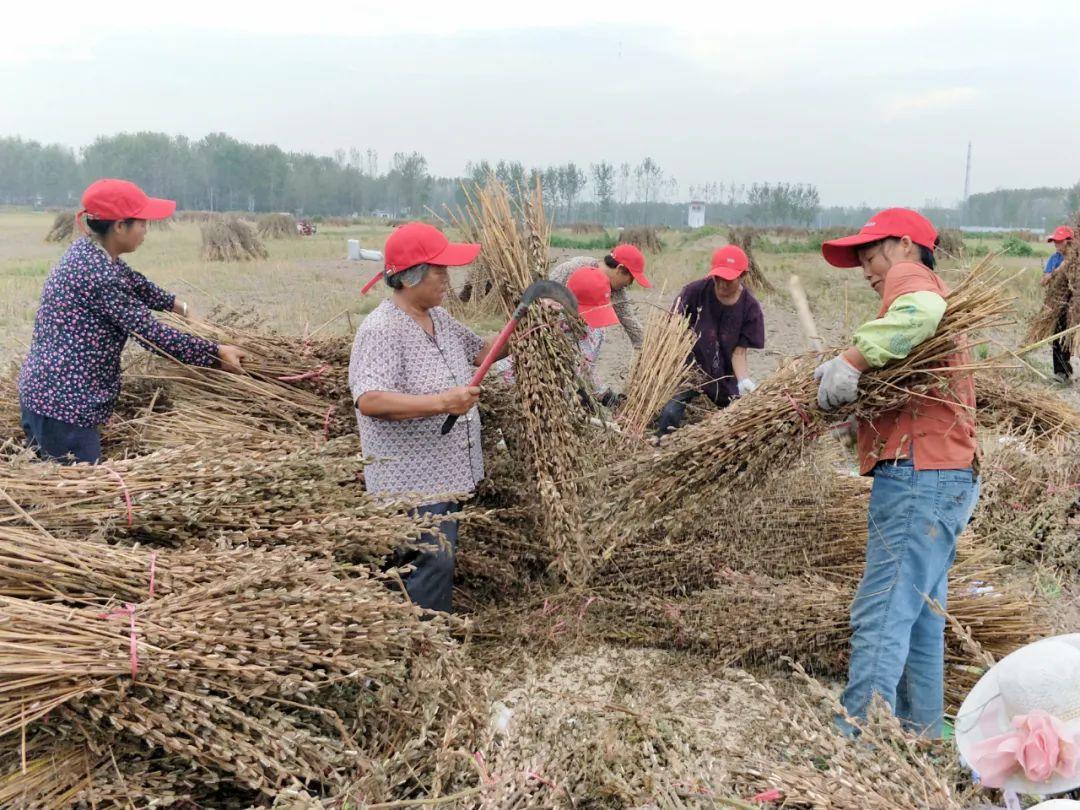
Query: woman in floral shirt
x,y
92,301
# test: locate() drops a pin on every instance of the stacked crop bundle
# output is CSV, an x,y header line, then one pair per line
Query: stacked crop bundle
x,y
755,277
278,226
216,494
230,239
63,228
283,675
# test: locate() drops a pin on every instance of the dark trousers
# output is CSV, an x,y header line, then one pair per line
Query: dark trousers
x,y
1062,361
671,416
431,584
54,440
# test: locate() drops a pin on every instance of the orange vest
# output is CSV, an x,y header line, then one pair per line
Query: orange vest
x,y
938,433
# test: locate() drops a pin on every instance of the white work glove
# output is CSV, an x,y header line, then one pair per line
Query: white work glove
x,y
838,383
746,385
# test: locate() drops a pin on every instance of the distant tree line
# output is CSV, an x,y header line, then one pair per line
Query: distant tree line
x,y
221,173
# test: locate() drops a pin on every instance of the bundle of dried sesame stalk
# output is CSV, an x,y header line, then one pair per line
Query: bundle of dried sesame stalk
x,y
212,493
545,358
1035,414
274,677
765,432
661,369
743,238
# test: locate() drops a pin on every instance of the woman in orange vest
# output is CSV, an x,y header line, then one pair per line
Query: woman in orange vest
x,y
922,459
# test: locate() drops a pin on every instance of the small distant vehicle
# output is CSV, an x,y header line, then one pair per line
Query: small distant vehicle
x,y
305,227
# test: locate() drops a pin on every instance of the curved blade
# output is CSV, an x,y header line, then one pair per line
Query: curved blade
x,y
552,291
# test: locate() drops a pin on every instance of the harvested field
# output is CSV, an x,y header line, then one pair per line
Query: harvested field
x,y
610,652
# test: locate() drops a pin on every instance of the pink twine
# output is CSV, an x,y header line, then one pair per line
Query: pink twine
x,y
589,601
129,611
307,375
540,779
772,795
485,777
153,570
798,408
127,495
326,422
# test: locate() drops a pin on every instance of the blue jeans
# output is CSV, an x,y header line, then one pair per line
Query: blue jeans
x,y
54,440
898,642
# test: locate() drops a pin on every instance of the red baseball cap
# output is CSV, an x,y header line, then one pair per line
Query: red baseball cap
x,y
419,243
1062,233
633,260
119,199
892,222
592,289
729,262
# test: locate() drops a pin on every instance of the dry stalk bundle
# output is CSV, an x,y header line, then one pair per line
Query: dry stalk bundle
x,y
799,751
63,228
38,565
643,238
271,678
660,370
755,278
1040,416
767,431
1030,503
278,226
230,240
516,243
240,495
951,244
809,521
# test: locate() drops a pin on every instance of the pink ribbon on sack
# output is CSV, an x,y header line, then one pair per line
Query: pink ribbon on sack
x,y
1039,744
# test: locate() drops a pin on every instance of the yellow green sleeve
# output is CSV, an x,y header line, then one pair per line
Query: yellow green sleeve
x,y
910,320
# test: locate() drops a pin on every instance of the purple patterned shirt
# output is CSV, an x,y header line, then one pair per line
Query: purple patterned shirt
x,y
392,352
90,304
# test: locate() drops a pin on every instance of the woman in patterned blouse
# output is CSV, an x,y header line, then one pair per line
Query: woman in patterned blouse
x,y
411,366
91,303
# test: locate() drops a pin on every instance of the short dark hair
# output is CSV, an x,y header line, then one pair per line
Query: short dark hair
x,y
396,281
611,261
102,226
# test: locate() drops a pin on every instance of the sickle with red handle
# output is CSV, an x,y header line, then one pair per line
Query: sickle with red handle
x,y
552,291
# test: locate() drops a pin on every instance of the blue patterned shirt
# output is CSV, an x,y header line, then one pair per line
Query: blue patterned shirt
x,y
90,304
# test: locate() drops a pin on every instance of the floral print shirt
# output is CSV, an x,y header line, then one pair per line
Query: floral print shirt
x,y
90,304
392,352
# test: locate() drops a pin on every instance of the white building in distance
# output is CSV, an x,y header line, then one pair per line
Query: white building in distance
x,y
696,217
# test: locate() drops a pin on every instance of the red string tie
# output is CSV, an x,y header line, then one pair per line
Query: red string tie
x,y
127,495
307,375
129,611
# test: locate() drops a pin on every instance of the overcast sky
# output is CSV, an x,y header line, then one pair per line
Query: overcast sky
x,y
873,102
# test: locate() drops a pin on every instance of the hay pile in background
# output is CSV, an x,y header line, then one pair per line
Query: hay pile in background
x,y
644,238
951,243
278,226
63,228
230,240
755,278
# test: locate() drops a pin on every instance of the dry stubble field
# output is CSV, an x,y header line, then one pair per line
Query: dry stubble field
x,y
307,284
